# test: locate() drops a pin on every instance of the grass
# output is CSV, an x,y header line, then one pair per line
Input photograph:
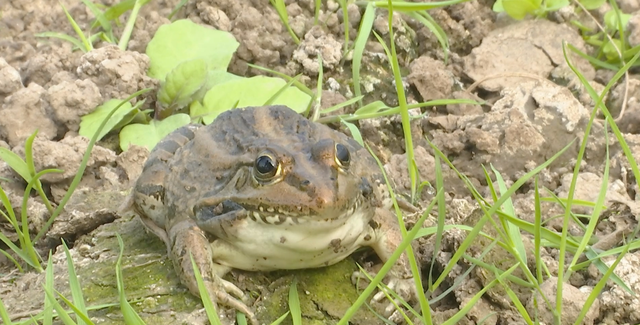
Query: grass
x,y
498,223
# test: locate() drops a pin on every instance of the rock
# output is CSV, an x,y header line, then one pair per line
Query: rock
x,y
529,124
573,300
10,80
117,73
69,101
431,78
65,155
531,47
24,112
317,42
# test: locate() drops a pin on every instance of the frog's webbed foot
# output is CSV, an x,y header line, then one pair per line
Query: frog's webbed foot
x,y
189,242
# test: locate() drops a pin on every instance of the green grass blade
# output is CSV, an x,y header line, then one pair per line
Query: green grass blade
x,y
280,319
100,19
128,313
298,84
593,222
316,103
355,132
28,156
10,215
4,238
537,233
86,46
345,23
16,163
64,37
426,20
492,210
128,29
281,9
4,315
177,8
47,312
457,317
316,13
114,12
625,148
592,60
387,267
209,307
336,107
281,90
366,24
62,314
402,103
513,297
595,292
294,304
404,6
512,231
83,165
81,317
442,217
76,288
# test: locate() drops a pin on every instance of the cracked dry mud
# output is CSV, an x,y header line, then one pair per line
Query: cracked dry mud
x,y
534,106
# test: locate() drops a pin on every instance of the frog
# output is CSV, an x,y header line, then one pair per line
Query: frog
x,y
262,189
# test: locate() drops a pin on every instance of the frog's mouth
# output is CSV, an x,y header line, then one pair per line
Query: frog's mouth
x,y
225,212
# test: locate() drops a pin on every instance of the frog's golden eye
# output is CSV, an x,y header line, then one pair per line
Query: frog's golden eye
x,y
342,156
266,167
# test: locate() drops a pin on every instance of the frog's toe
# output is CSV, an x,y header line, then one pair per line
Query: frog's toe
x,y
228,294
234,291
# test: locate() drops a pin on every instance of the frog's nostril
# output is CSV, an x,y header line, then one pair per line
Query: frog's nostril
x,y
305,184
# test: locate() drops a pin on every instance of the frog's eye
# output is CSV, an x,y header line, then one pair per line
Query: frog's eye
x,y
266,167
342,156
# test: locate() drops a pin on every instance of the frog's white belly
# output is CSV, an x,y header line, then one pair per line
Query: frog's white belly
x,y
255,246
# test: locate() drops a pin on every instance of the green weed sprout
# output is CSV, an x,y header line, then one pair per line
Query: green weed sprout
x,y
26,169
104,20
518,9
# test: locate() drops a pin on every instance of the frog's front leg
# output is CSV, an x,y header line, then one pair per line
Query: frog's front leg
x,y
385,238
189,240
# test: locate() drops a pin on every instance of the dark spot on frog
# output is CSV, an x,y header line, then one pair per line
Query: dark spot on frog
x,y
373,224
367,237
282,240
365,187
335,243
207,213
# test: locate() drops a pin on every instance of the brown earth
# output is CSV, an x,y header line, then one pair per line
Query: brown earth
x,y
534,106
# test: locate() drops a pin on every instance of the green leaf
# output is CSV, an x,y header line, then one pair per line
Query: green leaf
x,y
370,108
184,40
609,49
611,20
497,6
90,122
518,9
15,162
148,135
182,83
554,5
245,92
